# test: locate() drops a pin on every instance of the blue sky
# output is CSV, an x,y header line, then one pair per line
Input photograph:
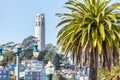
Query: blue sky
x,y
17,18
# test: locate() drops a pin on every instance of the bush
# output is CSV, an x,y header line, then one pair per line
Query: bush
x,y
105,74
58,76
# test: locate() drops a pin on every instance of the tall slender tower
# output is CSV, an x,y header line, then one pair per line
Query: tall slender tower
x,y
40,31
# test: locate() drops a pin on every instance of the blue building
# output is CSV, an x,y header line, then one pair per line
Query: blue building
x,y
11,67
32,75
4,74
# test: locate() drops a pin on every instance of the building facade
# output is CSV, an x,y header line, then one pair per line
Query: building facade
x,y
30,63
40,31
32,75
34,70
4,74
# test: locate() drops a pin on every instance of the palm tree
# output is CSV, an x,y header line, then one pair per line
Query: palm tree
x,y
91,27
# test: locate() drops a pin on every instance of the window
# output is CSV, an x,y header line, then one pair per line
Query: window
x,y
38,78
43,23
4,76
0,72
30,73
26,73
28,78
36,23
39,23
38,73
4,72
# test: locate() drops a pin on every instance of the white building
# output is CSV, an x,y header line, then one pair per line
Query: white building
x,y
49,68
29,63
40,31
34,70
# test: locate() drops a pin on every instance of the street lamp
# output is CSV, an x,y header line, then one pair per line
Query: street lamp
x,y
1,54
17,50
35,51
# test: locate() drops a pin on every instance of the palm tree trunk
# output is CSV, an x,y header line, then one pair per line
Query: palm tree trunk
x,y
101,59
93,64
115,57
104,61
106,57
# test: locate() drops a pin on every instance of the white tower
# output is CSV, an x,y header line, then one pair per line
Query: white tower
x,y
40,31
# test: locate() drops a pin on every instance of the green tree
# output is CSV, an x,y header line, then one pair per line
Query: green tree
x,y
56,60
90,28
27,45
54,57
8,58
41,56
28,42
50,54
27,54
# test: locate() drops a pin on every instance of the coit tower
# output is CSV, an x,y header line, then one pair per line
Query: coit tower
x,y
40,31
